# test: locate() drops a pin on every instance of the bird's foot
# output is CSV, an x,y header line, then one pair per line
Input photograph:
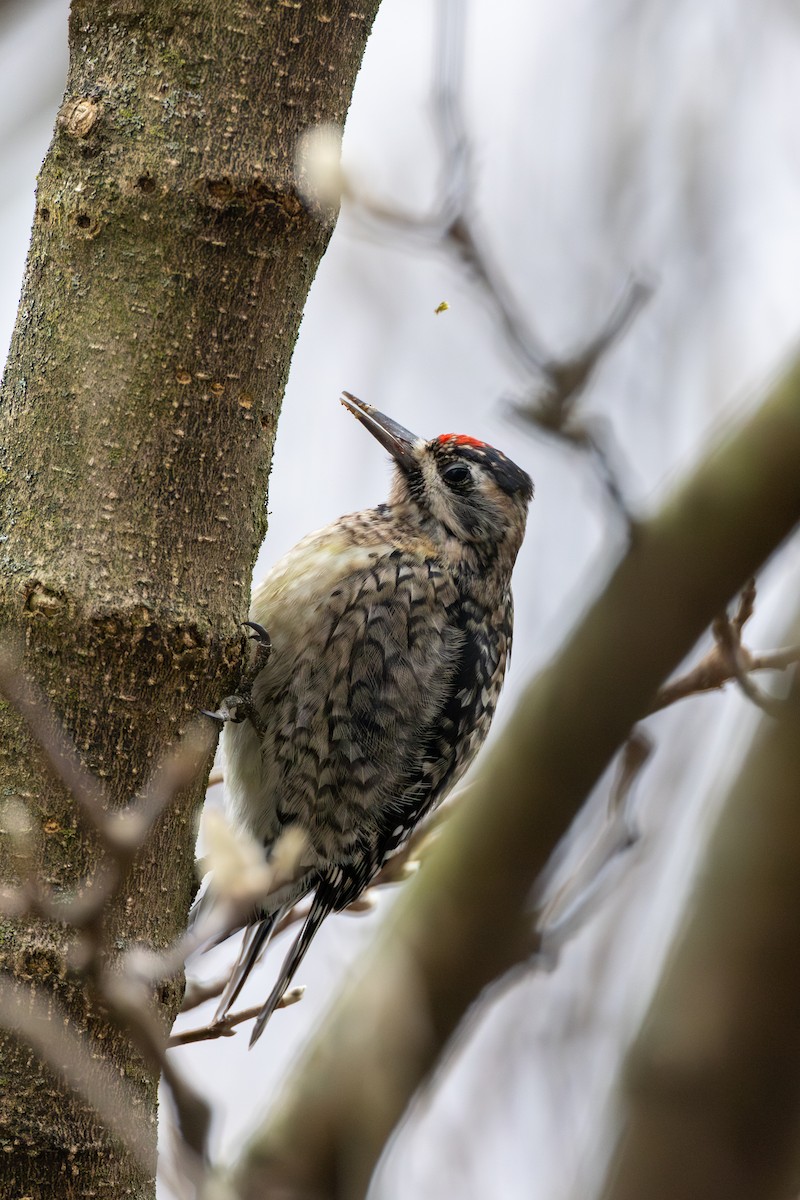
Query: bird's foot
x,y
237,708
240,707
263,649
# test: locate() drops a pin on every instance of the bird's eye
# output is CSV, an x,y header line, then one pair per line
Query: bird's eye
x,y
455,474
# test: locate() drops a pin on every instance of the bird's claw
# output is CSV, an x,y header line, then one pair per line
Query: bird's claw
x,y
232,708
240,707
219,715
236,709
263,647
259,633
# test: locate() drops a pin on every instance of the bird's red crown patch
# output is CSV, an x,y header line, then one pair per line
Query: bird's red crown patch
x,y
461,439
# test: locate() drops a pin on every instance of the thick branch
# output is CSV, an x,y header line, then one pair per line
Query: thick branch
x,y
712,1085
466,920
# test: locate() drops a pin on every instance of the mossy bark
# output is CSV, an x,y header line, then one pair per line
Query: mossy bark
x,y
169,264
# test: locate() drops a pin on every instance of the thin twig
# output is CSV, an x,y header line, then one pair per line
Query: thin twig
x,y
121,836
729,660
224,1027
90,795
562,912
178,767
635,754
554,384
128,1004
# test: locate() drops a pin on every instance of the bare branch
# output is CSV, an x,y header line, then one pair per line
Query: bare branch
x,y
716,1054
635,754
559,914
126,1001
465,920
130,1007
739,663
729,660
555,384
199,992
225,1026
179,767
745,607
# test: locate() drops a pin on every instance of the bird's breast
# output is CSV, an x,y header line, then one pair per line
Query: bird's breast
x,y
314,567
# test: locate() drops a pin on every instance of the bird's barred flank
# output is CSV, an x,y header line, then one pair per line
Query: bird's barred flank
x,y
390,637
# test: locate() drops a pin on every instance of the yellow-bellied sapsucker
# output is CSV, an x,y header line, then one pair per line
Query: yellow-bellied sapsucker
x,y
390,632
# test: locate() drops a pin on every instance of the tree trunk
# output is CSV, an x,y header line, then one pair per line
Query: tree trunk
x,y
169,265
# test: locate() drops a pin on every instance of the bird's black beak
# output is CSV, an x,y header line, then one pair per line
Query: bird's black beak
x,y
393,437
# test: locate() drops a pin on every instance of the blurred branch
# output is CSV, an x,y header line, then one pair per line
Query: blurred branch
x,y
465,920
711,1087
47,1028
123,998
62,757
554,385
552,409
564,911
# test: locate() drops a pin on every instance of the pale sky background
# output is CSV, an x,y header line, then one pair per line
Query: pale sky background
x,y
609,138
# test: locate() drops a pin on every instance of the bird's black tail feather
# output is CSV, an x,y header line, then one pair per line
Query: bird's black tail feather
x,y
255,940
323,904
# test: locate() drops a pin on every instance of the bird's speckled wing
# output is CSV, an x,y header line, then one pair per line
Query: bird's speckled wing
x,y
360,674
450,743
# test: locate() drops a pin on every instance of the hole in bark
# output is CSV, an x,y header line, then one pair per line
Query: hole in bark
x,y
44,214
146,184
220,190
83,221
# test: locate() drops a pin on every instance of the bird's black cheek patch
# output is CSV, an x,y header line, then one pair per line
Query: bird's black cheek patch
x,y
469,520
477,520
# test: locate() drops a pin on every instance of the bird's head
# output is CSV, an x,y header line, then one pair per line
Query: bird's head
x,y
472,501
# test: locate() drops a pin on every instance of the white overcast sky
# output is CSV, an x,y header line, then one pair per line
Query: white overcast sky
x,y
609,138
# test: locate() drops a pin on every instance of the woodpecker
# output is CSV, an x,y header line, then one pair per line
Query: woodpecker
x,y
390,636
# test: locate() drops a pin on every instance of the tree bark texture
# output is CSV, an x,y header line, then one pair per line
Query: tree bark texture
x,y
170,261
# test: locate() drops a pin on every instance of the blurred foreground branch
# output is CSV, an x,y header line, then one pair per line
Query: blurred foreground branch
x,y
711,1088
92,958
466,920
565,910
